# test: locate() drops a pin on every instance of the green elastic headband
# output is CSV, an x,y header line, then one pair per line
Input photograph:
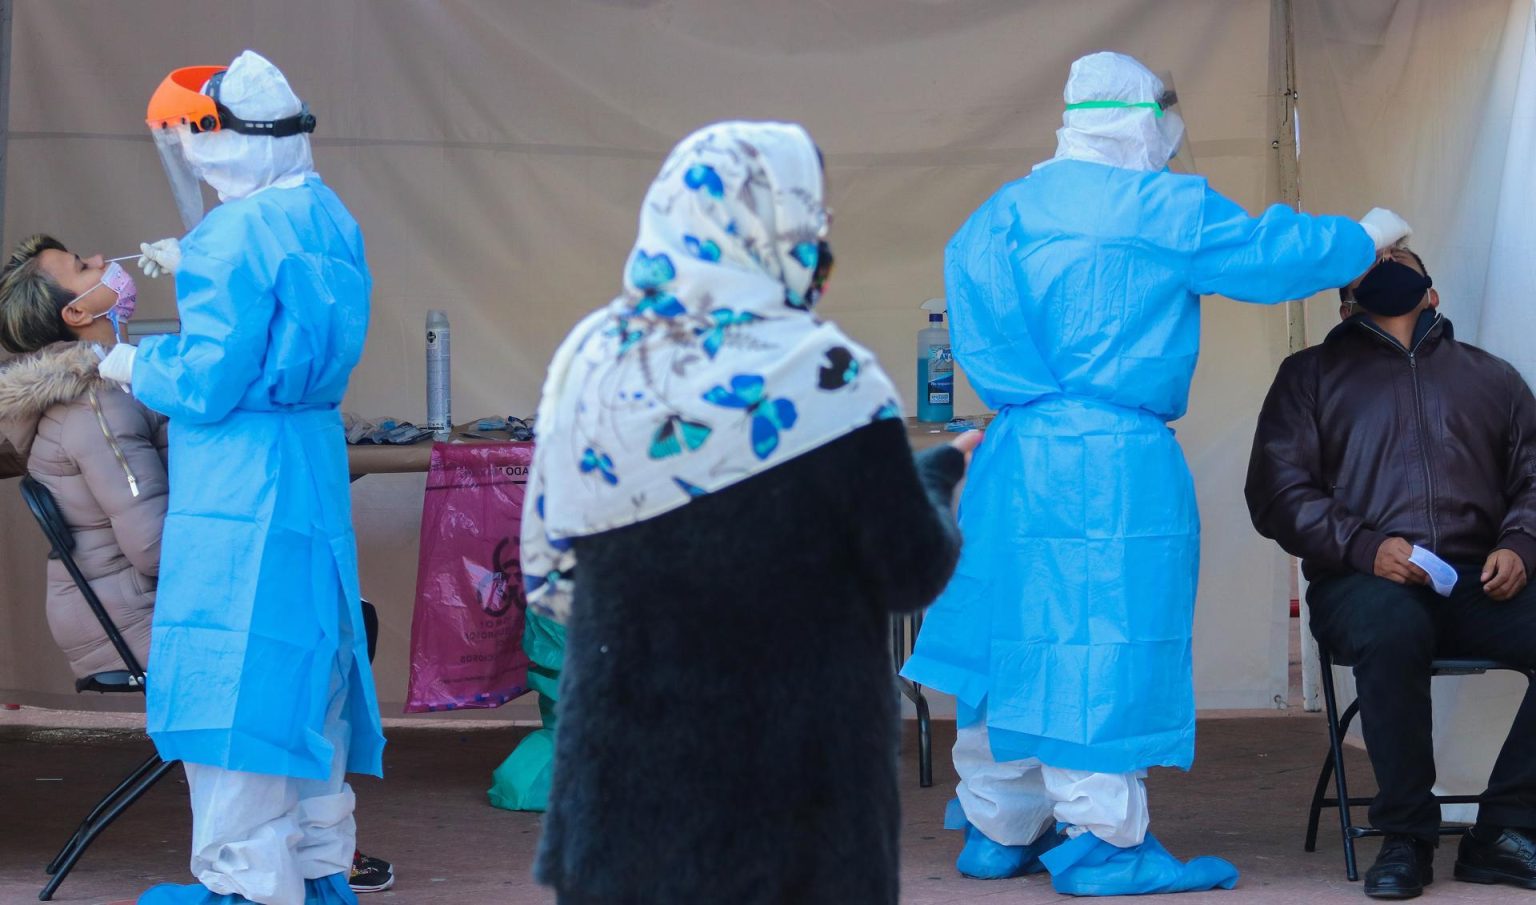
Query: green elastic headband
x,y
1154,106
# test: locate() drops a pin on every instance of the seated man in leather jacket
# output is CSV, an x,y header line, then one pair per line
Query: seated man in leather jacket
x,y
1391,435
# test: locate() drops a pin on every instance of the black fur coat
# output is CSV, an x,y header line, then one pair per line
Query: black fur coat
x,y
728,723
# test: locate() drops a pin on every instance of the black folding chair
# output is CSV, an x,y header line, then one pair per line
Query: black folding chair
x,y
904,629
1333,764
129,680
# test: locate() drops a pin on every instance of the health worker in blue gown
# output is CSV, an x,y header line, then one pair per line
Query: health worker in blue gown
x,y
1065,633
258,669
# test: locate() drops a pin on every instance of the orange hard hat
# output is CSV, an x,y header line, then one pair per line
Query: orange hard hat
x,y
180,100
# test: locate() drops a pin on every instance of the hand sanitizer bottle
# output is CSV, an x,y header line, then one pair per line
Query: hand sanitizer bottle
x,y
935,368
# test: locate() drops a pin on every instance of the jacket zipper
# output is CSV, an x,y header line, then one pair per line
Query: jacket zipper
x,y
1418,401
101,419
1429,475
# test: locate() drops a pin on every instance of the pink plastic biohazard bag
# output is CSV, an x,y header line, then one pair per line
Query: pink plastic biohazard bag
x,y
467,631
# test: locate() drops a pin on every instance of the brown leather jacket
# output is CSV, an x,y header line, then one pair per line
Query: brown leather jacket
x,y
1361,440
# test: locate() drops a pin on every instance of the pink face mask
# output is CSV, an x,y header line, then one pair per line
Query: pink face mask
x,y
121,283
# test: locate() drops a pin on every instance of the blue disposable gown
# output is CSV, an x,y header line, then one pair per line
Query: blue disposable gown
x,y
259,561
1074,295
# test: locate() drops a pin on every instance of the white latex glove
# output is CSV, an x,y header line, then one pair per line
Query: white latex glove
x,y
160,257
117,366
1385,228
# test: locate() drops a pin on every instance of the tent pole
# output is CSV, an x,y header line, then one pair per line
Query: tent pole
x,y
5,101
1295,316
1290,164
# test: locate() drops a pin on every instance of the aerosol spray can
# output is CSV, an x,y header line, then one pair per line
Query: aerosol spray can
x,y
439,376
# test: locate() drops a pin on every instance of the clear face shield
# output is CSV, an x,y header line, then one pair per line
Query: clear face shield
x,y
186,188
1171,125
176,110
186,104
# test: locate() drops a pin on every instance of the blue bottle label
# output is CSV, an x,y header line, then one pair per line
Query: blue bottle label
x,y
941,375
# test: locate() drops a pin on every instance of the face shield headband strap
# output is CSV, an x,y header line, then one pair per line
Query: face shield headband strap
x,y
298,124
1157,107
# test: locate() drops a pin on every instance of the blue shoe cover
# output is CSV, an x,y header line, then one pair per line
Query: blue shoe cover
x,y
194,894
332,890
1089,866
983,859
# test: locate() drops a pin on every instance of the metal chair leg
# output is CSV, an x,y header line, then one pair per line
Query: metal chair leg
x,y
1336,751
924,723
924,739
1350,712
1315,812
107,800
903,635
86,835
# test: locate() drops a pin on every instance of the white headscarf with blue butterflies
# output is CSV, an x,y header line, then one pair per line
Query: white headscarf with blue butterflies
x,y
710,367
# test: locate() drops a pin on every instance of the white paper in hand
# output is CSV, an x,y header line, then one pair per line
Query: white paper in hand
x,y
1440,573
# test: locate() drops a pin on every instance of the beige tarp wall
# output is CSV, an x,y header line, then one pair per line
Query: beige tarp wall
x,y
496,152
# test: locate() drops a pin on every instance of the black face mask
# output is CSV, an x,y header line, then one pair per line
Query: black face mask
x,y
821,274
1392,289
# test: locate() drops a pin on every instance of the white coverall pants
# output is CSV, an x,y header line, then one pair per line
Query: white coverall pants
x,y
1013,802
262,836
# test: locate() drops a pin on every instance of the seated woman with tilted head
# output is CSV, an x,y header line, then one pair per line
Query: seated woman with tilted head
x,y
97,449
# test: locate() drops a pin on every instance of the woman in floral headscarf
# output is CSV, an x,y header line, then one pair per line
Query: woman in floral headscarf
x,y
727,513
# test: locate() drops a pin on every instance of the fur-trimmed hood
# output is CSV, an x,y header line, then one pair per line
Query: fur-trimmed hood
x,y
32,384
101,454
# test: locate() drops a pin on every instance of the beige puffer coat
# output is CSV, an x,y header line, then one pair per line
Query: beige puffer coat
x,y
102,454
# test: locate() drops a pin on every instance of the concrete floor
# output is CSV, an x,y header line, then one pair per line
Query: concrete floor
x,y
1245,800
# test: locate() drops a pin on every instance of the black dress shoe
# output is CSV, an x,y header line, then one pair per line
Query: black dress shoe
x,y
1405,866
1493,855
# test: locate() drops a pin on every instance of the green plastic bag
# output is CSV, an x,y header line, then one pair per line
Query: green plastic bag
x,y
521,783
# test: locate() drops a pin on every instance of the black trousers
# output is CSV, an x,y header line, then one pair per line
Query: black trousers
x,y
371,628
1389,633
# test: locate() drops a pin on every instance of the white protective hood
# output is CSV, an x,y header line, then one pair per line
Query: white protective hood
x,y
1134,138
237,165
